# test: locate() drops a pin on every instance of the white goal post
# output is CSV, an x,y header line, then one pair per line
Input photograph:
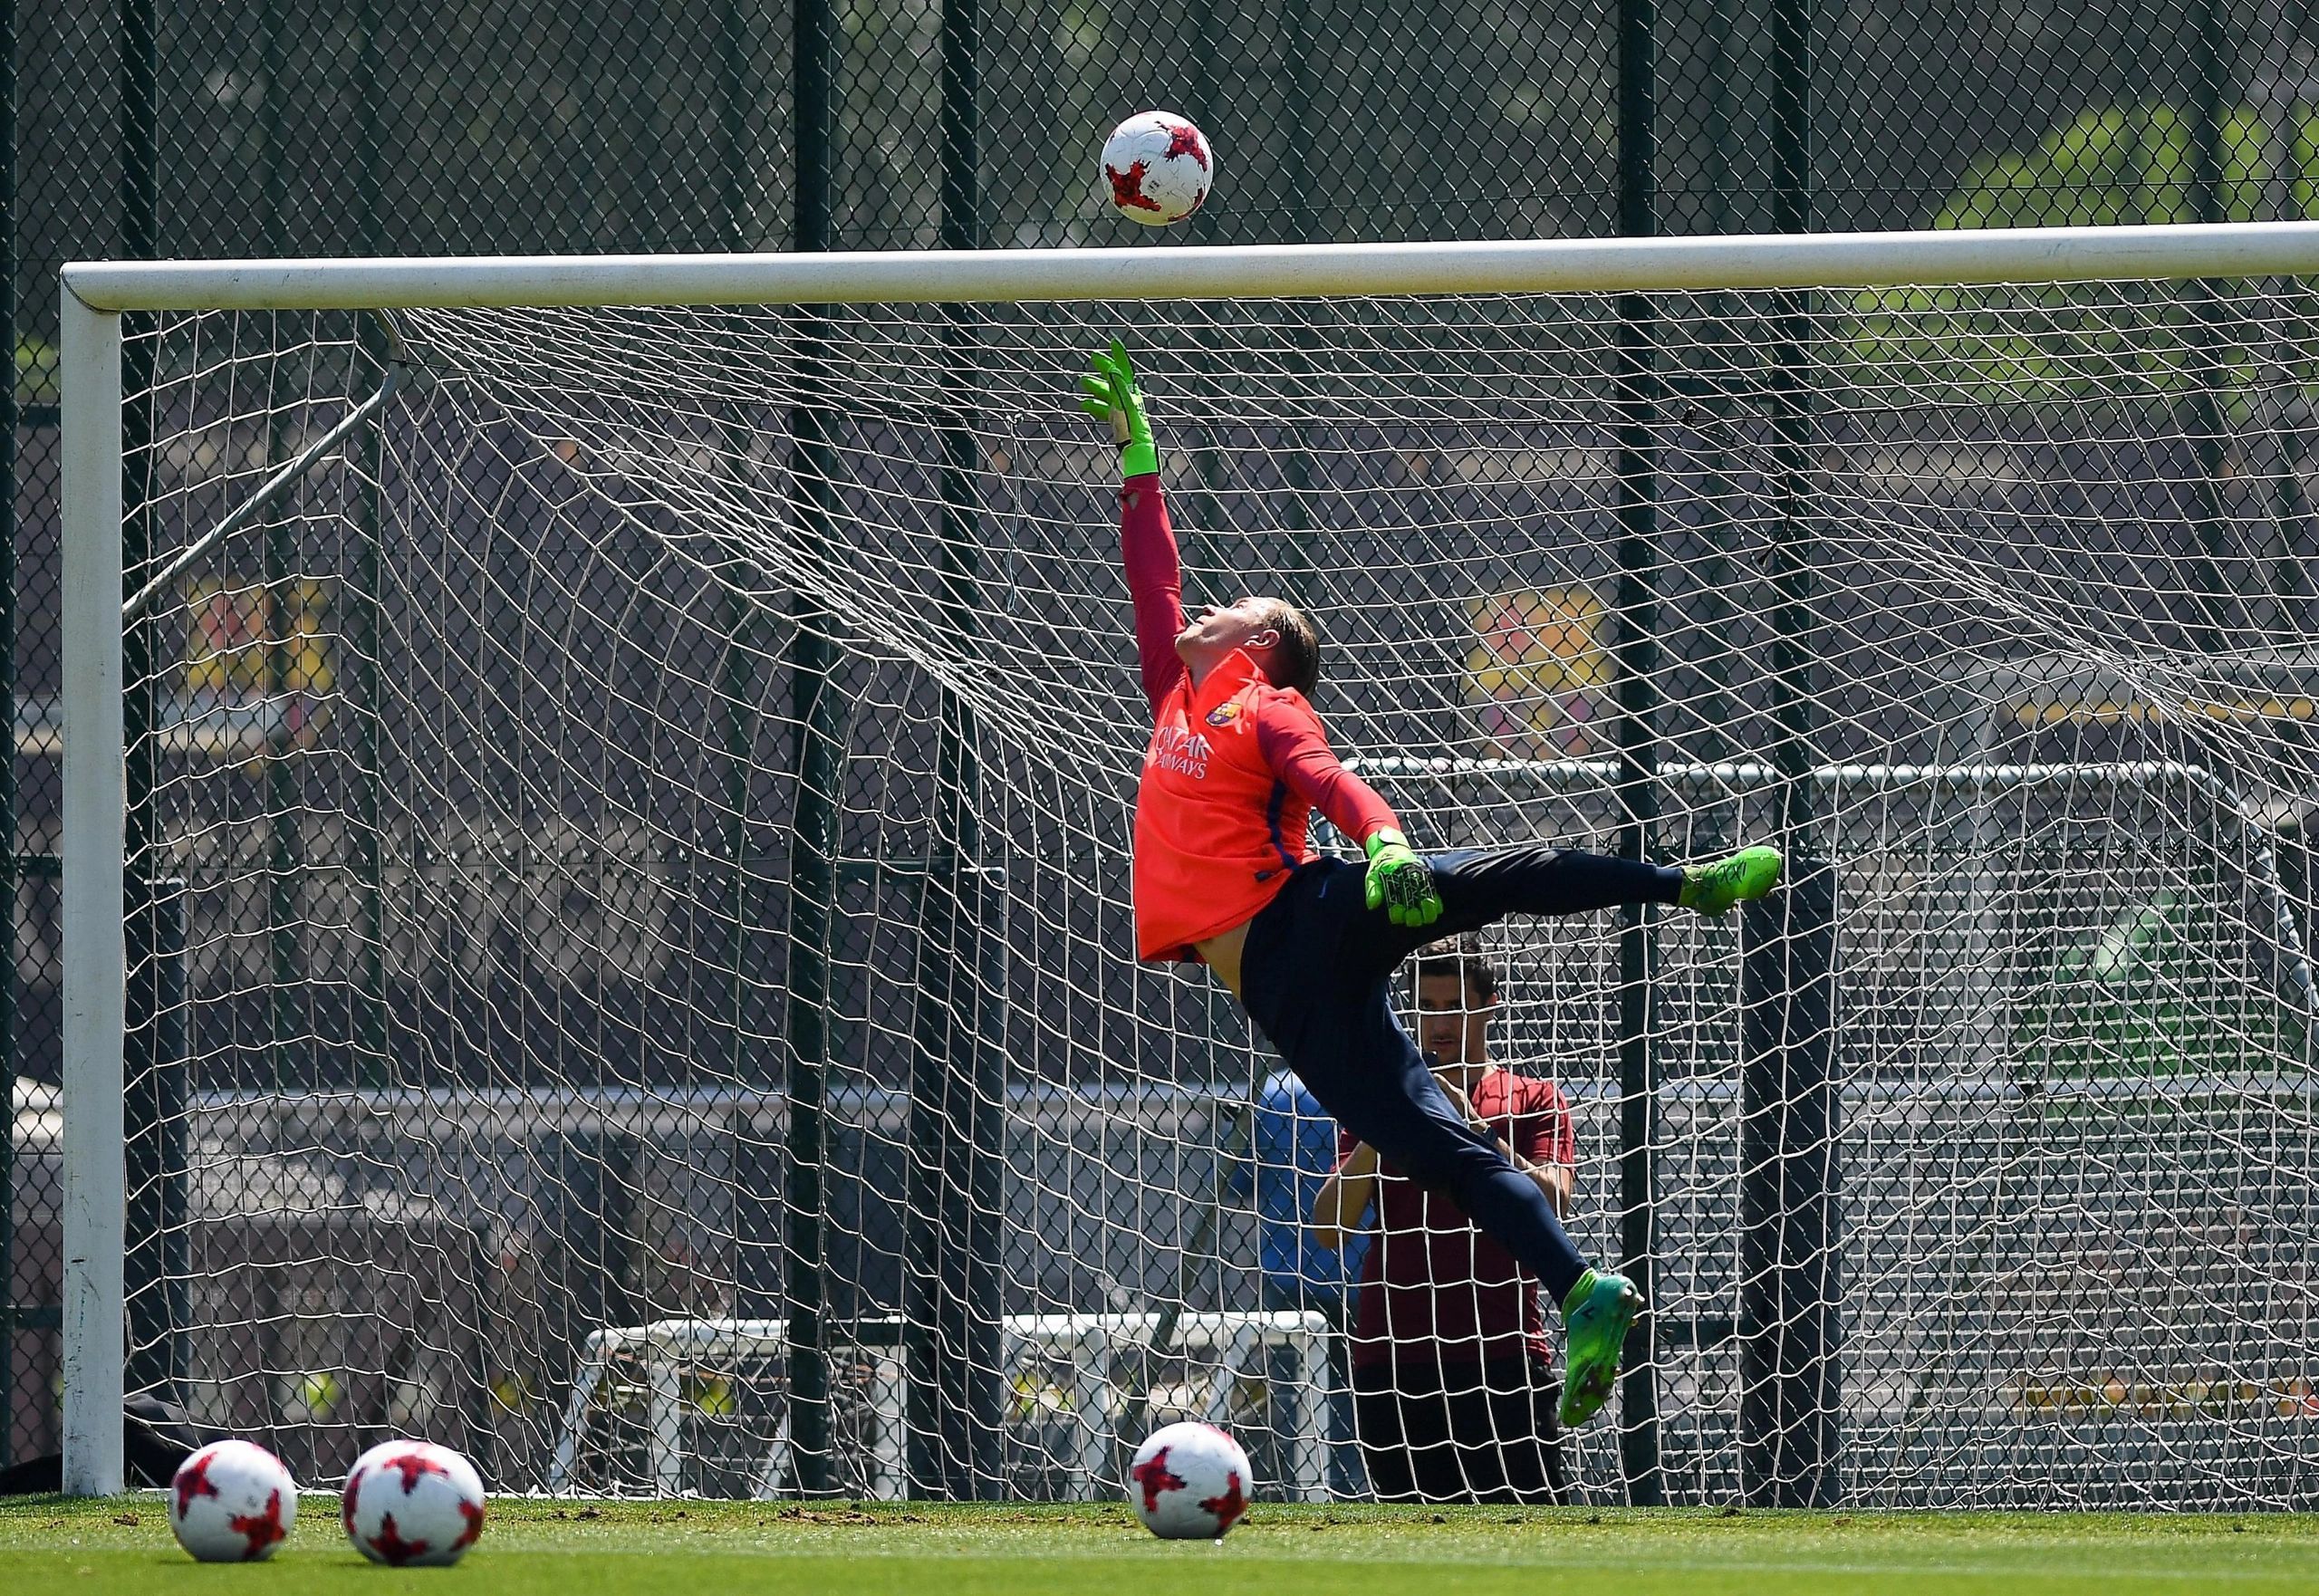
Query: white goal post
x,y
95,297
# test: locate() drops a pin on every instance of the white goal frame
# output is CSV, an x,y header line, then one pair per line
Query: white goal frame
x,y
95,294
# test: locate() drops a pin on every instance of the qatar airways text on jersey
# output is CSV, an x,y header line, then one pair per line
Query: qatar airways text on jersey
x,y
1177,749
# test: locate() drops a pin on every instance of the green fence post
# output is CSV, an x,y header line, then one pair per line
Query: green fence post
x,y
816,749
139,240
739,674
10,1069
372,1069
1791,1224
2204,418
975,1068
285,847
755,1043
952,1271
1636,386
1791,1229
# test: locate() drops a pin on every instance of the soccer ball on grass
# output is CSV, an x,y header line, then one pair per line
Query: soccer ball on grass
x,y
1158,168
232,1501
1189,1482
412,1505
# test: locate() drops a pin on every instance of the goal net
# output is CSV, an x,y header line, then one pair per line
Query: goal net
x,y
628,954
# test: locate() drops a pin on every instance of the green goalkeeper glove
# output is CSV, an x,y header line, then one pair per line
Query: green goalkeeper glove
x,y
1401,882
1113,398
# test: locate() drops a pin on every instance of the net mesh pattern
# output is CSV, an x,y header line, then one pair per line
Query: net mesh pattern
x,y
632,968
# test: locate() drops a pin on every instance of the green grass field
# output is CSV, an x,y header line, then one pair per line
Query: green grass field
x,y
697,1549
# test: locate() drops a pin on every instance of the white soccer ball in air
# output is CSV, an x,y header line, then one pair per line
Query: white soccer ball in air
x,y
232,1501
412,1505
1157,168
1189,1482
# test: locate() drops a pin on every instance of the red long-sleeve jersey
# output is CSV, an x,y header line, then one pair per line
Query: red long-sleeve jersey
x,y
1235,769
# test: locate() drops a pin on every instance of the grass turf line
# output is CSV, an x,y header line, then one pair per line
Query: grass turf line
x,y
704,1549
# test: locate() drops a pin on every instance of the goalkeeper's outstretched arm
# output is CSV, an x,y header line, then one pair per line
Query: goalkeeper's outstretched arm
x,y
1146,542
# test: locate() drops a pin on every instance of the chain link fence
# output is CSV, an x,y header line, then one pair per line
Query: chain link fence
x,y
391,127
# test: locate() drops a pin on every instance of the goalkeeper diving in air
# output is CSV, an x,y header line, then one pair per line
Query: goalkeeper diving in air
x,y
1224,876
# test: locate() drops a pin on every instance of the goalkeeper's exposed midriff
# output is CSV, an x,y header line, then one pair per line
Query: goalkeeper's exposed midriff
x,y
1222,955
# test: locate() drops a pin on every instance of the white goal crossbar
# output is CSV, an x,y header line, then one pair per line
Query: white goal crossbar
x,y
1853,260
94,296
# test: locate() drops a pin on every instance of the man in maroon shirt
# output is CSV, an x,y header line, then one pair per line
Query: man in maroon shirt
x,y
1454,1389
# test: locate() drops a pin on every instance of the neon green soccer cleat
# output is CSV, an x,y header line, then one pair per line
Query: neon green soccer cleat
x,y
1713,888
1596,1316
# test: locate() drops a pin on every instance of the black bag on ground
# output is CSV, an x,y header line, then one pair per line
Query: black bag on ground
x,y
156,1437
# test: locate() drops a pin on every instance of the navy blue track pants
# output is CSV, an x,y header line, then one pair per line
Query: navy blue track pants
x,y
1316,976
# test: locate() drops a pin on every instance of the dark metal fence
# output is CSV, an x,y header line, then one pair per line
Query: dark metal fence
x,y
298,127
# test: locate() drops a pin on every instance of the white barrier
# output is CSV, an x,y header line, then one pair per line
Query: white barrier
x,y
1102,1357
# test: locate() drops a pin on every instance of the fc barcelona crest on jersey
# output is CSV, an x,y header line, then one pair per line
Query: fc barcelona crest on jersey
x,y
1225,714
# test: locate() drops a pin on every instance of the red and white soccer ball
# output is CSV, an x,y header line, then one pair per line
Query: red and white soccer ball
x,y
232,1501
1158,168
412,1505
1189,1482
